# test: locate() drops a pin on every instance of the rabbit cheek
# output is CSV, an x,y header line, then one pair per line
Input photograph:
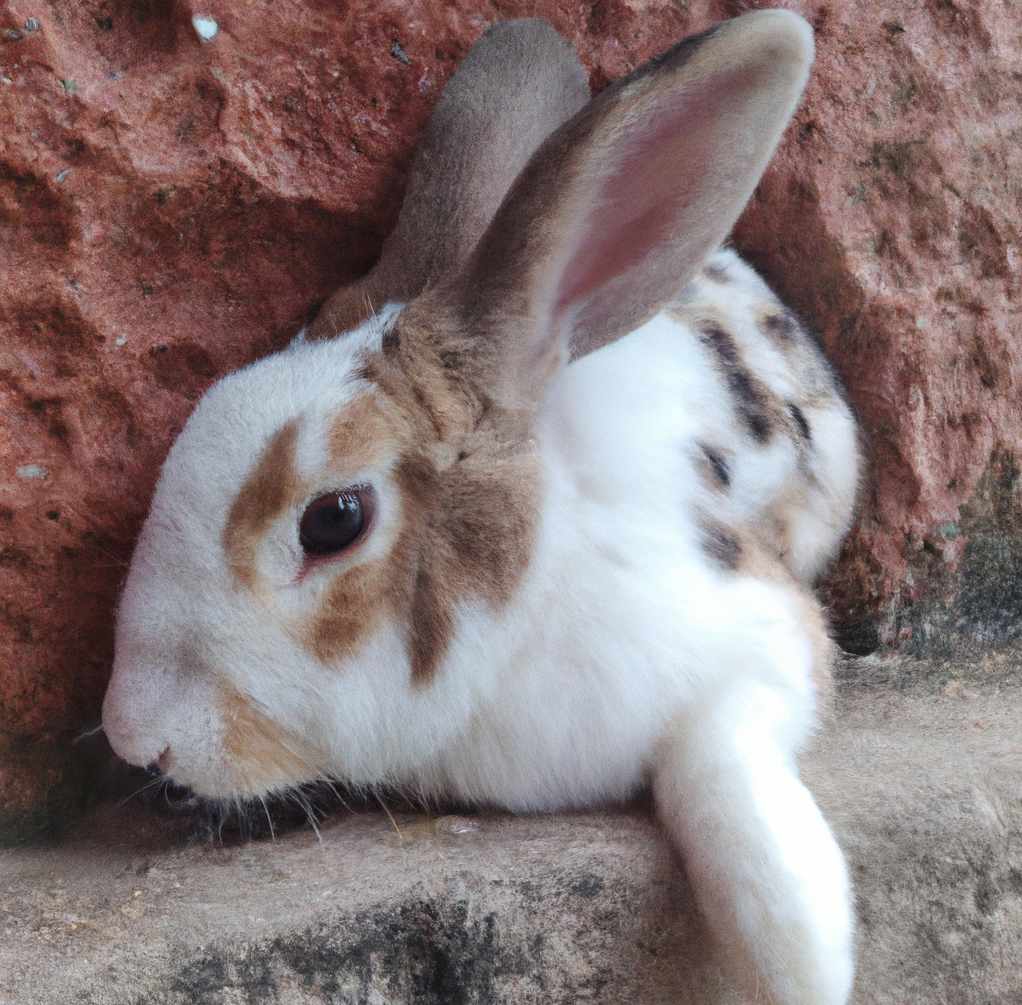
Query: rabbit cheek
x,y
355,606
261,755
468,536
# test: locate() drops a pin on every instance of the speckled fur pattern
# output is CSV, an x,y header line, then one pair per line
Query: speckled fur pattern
x,y
778,433
577,579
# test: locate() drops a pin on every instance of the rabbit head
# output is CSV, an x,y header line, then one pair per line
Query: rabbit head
x,y
298,602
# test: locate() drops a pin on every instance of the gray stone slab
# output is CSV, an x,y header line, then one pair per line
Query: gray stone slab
x,y
924,788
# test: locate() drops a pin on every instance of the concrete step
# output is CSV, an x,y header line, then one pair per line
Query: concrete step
x,y
920,774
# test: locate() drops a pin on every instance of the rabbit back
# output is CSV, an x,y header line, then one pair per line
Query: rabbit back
x,y
768,442
780,453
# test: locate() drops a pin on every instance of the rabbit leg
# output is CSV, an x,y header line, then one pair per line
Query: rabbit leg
x,y
766,870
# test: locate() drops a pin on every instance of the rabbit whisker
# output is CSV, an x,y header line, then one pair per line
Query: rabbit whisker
x,y
269,819
310,813
386,810
222,816
151,784
337,795
88,733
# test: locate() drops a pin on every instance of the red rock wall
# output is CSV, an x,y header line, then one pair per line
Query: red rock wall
x,y
171,208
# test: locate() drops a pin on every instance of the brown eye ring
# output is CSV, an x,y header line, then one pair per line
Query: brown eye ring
x,y
335,522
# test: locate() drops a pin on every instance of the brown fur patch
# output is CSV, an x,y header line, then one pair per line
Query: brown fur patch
x,y
714,469
469,483
431,625
800,420
262,755
428,366
716,273
355,606
780,326
264,496
741,551
362,432
468,534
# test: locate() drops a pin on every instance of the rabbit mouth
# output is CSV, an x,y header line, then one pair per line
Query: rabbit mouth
x,y
167,796
211,819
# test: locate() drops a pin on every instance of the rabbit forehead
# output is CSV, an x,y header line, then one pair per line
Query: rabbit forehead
x,y
227,434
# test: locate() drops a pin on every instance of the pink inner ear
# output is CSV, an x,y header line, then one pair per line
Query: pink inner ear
x,y
657,183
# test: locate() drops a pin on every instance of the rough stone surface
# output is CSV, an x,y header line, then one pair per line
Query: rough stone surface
x,y
919,776
171,208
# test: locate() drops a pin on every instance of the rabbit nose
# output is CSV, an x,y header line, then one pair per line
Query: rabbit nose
x,y
158,768
134,721
129,742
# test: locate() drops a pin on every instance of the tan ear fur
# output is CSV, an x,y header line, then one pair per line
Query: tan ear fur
x,y
622,205
518,84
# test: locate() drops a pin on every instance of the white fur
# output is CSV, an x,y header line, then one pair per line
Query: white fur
x,y
626,656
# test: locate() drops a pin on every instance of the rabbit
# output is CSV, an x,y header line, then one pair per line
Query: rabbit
x,y
529,516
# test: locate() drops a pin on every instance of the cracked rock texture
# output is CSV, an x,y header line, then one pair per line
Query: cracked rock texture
x,y
171,208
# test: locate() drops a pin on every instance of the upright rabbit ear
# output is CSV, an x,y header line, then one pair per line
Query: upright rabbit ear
x,y
621,206
518,83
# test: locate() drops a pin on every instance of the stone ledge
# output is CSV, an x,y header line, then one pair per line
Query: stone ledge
x,y
923,789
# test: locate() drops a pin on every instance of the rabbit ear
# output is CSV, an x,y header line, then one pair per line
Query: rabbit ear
x,y
518,83
621,206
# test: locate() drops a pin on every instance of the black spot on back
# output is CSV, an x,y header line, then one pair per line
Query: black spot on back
x,y
719,464
800,420
721,546
751,398
782,329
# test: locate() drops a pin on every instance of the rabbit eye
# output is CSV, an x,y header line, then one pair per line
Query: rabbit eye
x,y
335,521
